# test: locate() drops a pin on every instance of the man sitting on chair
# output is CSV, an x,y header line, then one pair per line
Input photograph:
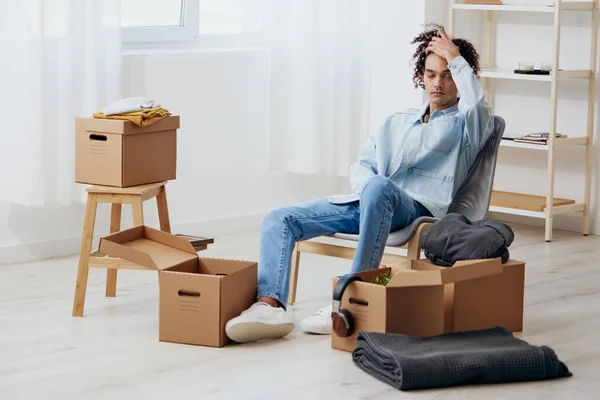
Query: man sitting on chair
x,y
410,168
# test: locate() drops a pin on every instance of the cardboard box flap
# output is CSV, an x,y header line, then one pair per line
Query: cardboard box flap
x,y
221,266
411,278
148,247
169,240
125,127
461,270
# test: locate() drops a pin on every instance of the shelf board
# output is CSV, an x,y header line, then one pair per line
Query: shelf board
x,y
579,141
577,5
525,202
507,73
516,211
565,5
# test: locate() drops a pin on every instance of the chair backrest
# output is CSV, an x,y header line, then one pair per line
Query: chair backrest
x,y
473,197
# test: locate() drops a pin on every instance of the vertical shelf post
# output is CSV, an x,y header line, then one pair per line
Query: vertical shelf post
x,y
553,115
589,149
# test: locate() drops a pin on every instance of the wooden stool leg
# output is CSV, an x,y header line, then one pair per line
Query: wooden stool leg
x,y
163,210
84,254
115,226
137,208
294,274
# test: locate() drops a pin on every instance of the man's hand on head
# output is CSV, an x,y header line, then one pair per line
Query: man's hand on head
x,y
443,46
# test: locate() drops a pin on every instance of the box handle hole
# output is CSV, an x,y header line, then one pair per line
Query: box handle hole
x,y
101,138
359,302
188,293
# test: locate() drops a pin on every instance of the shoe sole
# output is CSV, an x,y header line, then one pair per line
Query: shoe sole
x,y
315,331
246,332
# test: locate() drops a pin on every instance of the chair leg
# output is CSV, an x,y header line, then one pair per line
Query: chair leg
x,y
84,254
137,209
115,226
414,250
163,210
294,274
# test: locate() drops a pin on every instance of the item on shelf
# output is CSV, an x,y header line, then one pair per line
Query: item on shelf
x,y
544,135
487,2
523,66
532,72
537,138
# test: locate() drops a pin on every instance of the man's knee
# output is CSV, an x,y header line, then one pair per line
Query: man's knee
x,y
380,187
276,217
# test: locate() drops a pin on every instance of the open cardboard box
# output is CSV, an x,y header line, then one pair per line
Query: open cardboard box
x,y
119,153
197,296
429,300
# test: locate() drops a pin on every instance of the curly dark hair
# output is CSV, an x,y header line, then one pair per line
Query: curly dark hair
x,y
466,50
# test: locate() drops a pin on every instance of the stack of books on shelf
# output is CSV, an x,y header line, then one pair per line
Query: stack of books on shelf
x,y
538,138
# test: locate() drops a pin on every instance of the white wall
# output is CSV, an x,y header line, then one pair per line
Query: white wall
x,y
395,23
223,171
525,105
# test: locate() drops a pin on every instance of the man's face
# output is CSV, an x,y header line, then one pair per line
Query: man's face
x,y
439,85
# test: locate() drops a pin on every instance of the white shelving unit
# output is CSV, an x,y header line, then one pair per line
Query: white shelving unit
x,y
525,204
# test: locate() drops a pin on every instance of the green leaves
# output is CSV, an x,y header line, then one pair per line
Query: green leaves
x,y
383,279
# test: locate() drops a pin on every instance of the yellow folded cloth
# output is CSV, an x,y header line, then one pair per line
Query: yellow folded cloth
x,y
141,118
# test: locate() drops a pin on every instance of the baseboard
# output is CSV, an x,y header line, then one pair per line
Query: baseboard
x,y
27,252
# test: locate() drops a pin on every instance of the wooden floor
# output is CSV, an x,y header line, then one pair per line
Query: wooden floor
x,y
114,352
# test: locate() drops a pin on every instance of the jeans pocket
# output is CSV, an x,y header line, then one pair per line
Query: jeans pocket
x,y
433,186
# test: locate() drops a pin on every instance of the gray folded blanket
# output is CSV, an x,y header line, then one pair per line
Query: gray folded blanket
x,y
482,356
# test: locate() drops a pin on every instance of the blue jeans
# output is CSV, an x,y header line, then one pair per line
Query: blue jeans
x,y
383,207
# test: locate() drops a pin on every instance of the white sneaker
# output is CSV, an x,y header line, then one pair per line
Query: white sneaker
x,y
260,321
319,322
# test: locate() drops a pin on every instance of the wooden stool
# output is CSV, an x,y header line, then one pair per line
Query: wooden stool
x,y
116,196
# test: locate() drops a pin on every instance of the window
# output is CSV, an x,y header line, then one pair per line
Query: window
x,y
159,20
191,20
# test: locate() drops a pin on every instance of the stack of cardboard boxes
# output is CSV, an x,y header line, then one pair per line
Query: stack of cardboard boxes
x,y
197,296
429,300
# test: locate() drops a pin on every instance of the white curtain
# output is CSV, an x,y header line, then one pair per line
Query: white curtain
x,y
60,59
320,74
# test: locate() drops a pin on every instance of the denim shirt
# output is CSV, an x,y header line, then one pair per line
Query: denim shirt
x,y
429,161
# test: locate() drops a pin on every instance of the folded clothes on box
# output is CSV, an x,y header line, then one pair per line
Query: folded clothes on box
x,y
140,118
141,111
129,104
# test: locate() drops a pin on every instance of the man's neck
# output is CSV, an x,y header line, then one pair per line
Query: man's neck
x,y
433,107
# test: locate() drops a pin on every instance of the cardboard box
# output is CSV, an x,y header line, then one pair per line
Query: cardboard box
x,y
430,300
119,153
197,295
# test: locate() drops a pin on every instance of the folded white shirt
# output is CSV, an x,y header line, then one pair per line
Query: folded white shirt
x,y
129,104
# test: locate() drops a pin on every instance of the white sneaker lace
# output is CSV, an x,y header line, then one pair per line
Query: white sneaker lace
x,y
325,311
